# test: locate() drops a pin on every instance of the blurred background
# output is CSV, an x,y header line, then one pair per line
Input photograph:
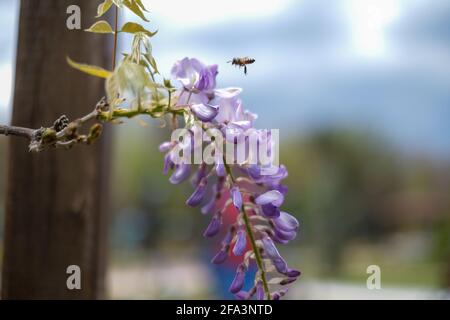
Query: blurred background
x,y
360,90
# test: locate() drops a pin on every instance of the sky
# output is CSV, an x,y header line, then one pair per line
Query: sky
x,y
375,65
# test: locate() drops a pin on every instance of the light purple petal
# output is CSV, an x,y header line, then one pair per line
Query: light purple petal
x,y
241,243
287,281
220,257
278,239
205,112
286,222
209,207
278,294
187,72
228,237
243,124
274,197
236,196
274,255
228,93
199,175
260,294
270,211
167,163
238,281
293,273
280,265
196,198
270,248
180,174
166,146
285,235
207,78
213,227
242,295
220,170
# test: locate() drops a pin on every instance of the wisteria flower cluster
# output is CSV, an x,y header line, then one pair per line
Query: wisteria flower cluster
x,y
255,195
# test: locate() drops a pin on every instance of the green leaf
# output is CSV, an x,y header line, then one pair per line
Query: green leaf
x,y
131,27
141,5
103,8
91,70
131,77
118,3
100,27
168,84
112,88
152,62
134,7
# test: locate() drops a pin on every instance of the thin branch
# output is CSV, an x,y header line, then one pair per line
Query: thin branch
x,y
17,131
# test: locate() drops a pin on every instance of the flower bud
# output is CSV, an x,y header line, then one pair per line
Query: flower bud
x,y
213,227
220,257
236,196
260,294
239,279
180,174
241,243
196,198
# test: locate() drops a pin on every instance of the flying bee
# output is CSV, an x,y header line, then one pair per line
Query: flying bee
x,y
242,62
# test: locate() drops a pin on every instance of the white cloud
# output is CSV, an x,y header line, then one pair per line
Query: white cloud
x,y
369,20
194,13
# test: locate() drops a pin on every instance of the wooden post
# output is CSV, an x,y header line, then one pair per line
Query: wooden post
x,y
57,200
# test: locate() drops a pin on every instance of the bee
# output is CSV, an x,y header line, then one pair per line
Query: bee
x,y
242,62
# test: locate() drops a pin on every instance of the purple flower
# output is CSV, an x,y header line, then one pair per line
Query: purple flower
x,y
259,174
181,173
274,255
199,175
228,237
287,281
195,75
167,163
196,198
270,202
166,146
205,112
207,78
223,110
220,170
273,197
293,273
207,208
260,294
220,257
278,294
285,235
242,295
241,243
230,107
239,280
286,222
277,239
213,227
236,196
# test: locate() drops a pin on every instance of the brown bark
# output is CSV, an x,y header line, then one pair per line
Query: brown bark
x,y
56,200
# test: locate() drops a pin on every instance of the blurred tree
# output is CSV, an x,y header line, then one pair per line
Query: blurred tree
x,y
56,200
